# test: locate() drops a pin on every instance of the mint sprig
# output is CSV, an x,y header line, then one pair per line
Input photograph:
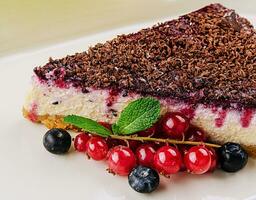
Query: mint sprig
x,y
137,116
88,125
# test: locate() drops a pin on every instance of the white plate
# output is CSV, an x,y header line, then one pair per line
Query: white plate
x,y
28,171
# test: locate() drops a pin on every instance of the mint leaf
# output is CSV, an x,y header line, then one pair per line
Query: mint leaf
x,y
115,129
88,125
137,116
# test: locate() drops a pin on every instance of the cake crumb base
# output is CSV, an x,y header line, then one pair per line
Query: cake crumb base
x,y
51,121
56,121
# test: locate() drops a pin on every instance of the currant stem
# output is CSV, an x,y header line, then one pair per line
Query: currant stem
x,y
123,137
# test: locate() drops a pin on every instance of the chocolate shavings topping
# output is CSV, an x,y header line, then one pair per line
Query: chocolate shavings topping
x,y
207,56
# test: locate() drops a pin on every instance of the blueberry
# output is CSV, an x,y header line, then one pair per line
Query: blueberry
x,y
143,179
57,141
232,157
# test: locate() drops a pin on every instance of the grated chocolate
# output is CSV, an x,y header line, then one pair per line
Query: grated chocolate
x,y
207,56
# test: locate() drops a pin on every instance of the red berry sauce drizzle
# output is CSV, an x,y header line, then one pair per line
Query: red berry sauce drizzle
x,y
246,117
221,115
220,119
60,73
112,97
188,111
32,115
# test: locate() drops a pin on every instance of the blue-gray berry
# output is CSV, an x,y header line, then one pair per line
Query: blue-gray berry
x,y
143,179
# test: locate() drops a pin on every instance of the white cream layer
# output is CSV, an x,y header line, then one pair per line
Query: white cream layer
x,y
93,105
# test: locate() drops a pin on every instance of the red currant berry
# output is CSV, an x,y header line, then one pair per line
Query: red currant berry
x,y
80,142
97,148
145,155
213,159
121,160
174,125
198,160
106,125
148,132
167,160
195,134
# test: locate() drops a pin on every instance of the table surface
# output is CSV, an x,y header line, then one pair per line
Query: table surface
x,y
30,24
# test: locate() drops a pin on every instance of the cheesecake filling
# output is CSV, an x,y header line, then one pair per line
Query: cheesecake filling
x,y
105,105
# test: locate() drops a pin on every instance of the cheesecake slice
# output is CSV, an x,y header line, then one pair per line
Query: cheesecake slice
x,y
202,64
